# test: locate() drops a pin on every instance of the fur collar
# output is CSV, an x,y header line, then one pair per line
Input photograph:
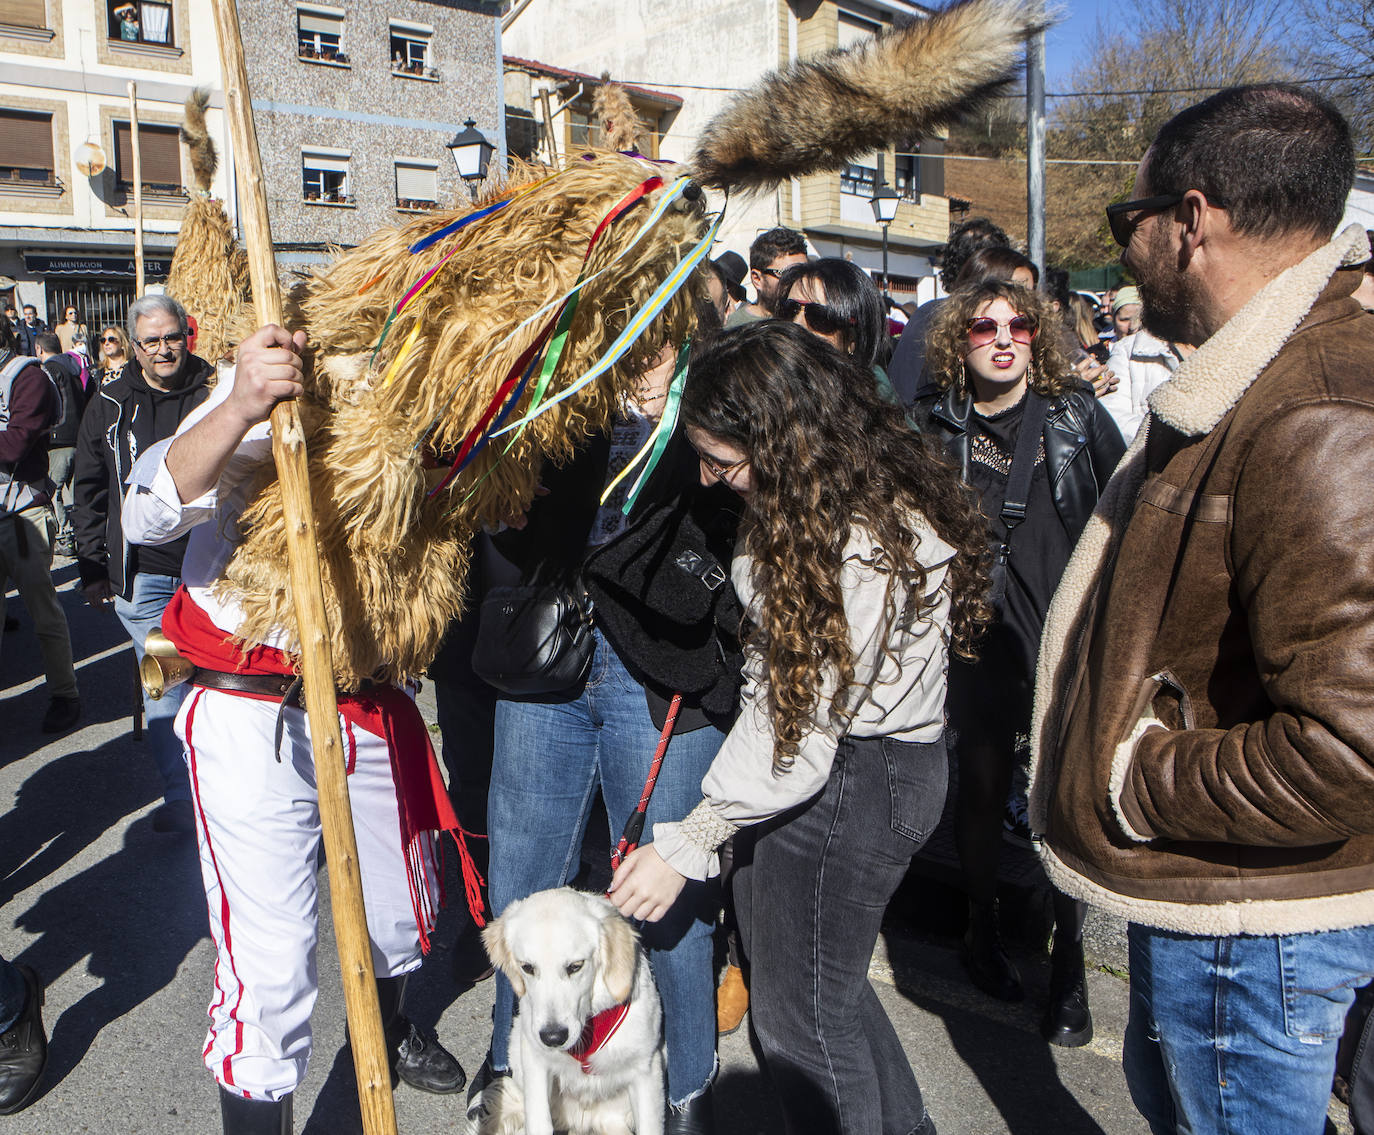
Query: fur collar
x,y
1211,380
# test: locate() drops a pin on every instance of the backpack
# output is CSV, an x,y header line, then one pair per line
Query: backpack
x,y
85,366
15,496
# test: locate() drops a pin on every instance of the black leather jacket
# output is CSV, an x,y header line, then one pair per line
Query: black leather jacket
x,y
1082,444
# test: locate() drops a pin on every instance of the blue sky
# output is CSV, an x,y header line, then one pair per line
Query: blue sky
x,y
1071,39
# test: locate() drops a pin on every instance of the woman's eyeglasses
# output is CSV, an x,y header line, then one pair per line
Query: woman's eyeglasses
x,y
109,339
983,330
719,471
820,318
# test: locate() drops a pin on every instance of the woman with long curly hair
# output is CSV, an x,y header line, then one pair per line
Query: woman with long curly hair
x,y
994,357
859,564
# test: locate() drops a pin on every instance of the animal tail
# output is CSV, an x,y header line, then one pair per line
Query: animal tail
x,y
819,113
204,158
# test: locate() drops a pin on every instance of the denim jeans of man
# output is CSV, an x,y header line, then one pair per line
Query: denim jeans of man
x,y
1238,1035
26,562
810,889
12,993
140,613
61,462
550,756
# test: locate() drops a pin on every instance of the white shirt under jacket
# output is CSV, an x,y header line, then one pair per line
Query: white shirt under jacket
x,y
154,512
898,691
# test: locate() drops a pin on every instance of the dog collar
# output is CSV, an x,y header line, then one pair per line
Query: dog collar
x,y
596,1032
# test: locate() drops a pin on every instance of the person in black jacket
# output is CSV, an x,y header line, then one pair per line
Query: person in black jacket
x,y
994,362
66,377
655,616
145,404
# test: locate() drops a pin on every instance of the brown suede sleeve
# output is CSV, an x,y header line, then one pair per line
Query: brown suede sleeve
x,y
1302,548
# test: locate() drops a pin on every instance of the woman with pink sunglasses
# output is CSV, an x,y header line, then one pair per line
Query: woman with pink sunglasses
x,y
1035,446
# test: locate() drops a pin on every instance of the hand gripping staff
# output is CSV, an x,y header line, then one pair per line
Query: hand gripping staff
x,y
288,450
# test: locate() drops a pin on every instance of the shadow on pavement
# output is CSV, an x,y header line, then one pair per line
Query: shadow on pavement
x,y
133,916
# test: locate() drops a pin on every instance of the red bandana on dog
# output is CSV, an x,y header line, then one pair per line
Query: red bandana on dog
x,y
596,1032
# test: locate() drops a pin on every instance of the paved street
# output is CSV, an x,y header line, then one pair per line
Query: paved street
x,y
112,916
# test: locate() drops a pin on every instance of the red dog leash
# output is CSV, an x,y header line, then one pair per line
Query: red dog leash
x,y
634,826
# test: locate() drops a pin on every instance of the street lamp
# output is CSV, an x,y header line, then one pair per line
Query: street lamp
x,y
471,154
885,201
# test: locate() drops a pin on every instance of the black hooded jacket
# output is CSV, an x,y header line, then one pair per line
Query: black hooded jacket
x,y
125,417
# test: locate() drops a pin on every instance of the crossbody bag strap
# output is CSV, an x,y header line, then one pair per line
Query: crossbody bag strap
x,y
1023,461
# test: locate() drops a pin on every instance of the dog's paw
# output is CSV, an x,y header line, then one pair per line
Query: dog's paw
x,y
499,1110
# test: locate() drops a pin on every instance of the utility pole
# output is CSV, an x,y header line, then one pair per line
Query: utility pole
x,y
1035,148
139,279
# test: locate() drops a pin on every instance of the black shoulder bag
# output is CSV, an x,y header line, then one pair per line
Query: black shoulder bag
x,y
534,640
1017,495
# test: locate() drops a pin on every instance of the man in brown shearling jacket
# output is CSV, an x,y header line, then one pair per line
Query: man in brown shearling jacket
x,y
1205,704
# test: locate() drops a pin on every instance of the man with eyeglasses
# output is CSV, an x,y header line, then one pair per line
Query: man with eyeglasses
x,y
1205,714
144,404
771,254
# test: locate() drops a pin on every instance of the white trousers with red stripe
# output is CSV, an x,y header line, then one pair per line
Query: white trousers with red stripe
x,y
258,824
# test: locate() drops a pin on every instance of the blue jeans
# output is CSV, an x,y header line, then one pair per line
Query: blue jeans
x,y
12,994
810,889
141,613
550,757
1238,1035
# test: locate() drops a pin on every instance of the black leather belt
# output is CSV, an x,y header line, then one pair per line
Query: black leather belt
x,y
286,688
272,685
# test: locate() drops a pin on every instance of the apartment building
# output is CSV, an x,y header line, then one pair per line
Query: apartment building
x,y
66,154
355,105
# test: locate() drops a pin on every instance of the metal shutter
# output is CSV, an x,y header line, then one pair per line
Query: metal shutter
x,y
26,139
160,150
416,182
311,22
24,13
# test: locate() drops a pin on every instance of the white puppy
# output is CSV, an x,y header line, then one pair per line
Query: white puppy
x,y
586,1049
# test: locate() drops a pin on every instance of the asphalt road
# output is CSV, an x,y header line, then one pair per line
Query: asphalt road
x,y
112,916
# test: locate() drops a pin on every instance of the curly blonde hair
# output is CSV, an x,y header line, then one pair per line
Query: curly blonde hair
x,y
1050,373
827,453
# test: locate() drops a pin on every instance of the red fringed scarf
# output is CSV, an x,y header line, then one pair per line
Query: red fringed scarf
x,y
384,711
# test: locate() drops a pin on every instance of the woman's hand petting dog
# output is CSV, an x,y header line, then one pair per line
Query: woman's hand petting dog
x,y
645,887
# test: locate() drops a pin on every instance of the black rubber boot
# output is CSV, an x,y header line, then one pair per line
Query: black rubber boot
x,y
696,1117
422,1062
986,959
254,1117
1067,1022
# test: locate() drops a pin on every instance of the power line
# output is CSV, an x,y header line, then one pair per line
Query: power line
x,y
1048,161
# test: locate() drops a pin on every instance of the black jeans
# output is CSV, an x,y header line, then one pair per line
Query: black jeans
x,y
811,888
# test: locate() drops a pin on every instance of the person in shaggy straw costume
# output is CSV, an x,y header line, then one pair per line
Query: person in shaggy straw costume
x,y
1204,714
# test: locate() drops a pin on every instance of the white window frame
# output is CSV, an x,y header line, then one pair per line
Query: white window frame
x,y
412,35
425,164
323,160
320,13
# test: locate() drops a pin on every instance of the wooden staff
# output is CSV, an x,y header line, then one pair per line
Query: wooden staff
x,y
138,189
288,448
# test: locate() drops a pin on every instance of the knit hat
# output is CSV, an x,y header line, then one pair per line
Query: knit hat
x,y
1128,294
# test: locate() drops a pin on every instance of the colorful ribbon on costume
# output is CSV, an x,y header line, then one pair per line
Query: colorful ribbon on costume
x,y
511,389
642,318
658,440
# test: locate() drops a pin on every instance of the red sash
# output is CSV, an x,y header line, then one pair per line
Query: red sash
x,y
384,711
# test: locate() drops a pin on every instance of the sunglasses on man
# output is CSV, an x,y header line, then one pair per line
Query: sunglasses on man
x,y
1124,217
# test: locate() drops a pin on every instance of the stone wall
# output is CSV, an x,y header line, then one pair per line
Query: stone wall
x,y
363,108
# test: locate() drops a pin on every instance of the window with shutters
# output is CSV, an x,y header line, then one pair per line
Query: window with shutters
x,y
906,175
319,35
144,21
24,13
410,53
417,184
159,150
26,149
325,177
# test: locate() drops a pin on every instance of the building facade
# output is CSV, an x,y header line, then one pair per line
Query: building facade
x,y
355,104
67,236
705,50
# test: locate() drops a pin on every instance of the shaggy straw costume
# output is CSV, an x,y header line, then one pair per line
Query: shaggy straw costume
x,y
394,558
209,273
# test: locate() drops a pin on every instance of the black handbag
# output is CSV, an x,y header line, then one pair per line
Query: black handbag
x,y
534,640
